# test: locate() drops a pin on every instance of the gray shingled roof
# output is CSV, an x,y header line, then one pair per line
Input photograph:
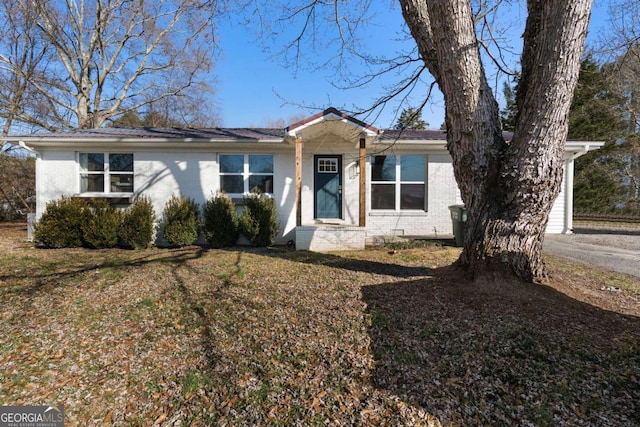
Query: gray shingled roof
x,y
223,134
414,135
424,135
230,134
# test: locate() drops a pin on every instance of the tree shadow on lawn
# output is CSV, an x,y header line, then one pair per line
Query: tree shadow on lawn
x,y
503,352
345,263
44,276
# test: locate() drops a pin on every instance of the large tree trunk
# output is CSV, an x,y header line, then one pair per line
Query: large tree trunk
x,y
508,187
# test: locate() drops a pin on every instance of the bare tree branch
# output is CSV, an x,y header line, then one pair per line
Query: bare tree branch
x,y
109,55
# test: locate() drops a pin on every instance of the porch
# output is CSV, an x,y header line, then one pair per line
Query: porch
x,y
330,190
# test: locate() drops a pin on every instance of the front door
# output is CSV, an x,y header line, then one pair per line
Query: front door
x,y
328,186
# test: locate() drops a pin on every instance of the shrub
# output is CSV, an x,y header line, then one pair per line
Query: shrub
x,y
100,225
221,227
259,220
60,225
136,229
181,221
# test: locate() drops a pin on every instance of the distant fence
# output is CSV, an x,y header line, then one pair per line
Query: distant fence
x,y
607,218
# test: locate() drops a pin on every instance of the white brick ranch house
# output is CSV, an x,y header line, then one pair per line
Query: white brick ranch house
x,y
338,182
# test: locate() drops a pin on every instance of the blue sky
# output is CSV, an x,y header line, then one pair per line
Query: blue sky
x,y
255,88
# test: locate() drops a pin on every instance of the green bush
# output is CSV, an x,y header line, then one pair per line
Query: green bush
x,y
136,229
60,226
181,221
100,225
221,227
259,220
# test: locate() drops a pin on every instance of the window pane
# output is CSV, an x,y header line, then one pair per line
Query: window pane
x,y
260,164
92,183
383,168
263,182
121,162
383,196
232,184
231,163
412,196
122,183
91,162
327,165
412,168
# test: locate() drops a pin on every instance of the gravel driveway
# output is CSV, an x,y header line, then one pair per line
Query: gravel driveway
x,y
617,252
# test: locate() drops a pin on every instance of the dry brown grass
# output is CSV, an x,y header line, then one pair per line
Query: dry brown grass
x,y
276,337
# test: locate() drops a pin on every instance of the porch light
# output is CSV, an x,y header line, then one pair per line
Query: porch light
x,y
354,170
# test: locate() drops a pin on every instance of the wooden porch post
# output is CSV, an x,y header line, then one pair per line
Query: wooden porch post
x,y
298,182
363,183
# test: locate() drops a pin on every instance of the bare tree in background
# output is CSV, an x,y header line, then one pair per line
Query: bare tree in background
x,y
24,63
108,57
508,187
621,48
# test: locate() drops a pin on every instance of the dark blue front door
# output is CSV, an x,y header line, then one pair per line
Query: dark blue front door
x,y
328,186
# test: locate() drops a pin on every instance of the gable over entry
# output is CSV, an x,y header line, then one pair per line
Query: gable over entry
x,y
325,130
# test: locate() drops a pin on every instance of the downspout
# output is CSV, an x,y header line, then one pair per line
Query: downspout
x,y
568,206
32,217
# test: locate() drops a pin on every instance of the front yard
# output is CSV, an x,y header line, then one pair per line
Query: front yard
x,y
278,337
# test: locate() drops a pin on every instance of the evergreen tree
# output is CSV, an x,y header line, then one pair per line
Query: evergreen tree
x,y
606,180
595,113
508,115
410,118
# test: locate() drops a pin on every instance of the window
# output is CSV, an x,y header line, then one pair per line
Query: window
x,y
243,173
398,182
329,165
106,172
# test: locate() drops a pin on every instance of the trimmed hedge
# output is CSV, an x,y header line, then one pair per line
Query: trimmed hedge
x,y
259,220
136,230
221,226
60,226
100,225
77,222
180,221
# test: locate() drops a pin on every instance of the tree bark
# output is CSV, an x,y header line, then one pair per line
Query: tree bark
x,y
508,187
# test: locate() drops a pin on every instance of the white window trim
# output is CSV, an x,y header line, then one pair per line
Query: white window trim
x,y
397,184
245,172
107,175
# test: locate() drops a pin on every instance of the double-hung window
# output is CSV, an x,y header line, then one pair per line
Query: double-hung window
x,y
398,182
241,174
106,172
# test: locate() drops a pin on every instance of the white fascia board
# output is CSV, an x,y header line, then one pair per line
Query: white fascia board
x,y
332,116
583,145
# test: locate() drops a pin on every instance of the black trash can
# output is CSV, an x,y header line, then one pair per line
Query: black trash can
x,y
458,220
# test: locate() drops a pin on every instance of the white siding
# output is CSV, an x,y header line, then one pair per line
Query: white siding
x,y
56,176
557,220
194,174
160,175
